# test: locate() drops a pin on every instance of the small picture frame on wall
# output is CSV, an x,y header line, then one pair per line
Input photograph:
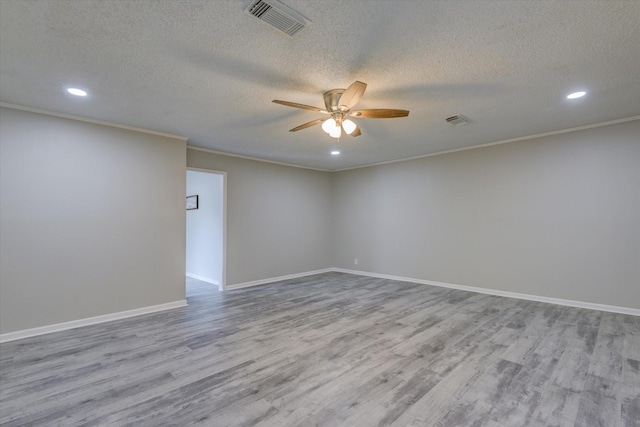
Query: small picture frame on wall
x,y
192,202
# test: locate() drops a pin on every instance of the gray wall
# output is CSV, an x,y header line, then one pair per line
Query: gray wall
x,y
92,220
278,217
205,230
557,216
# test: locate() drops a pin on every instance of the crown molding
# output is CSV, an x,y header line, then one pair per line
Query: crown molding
x,y
256,159
490,144
92,121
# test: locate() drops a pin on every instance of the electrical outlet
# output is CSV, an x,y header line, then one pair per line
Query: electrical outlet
x,y
355,261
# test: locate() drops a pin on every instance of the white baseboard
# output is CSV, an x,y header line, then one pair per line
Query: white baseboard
x,y
558,301
277,279
203,279
517,295
12,336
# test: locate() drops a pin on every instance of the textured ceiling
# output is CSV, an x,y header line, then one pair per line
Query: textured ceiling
x,y
208,71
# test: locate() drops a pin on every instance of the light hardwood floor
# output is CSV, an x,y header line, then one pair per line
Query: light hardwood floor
x,y
332,350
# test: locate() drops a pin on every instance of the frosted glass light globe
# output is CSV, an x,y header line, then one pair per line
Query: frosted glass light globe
x,y
348,126
329,125
336,132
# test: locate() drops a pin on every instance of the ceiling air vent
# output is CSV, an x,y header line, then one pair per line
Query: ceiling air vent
x,y
277,15
457,120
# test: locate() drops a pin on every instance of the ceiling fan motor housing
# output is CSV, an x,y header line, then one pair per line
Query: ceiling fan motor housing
x,y
331,99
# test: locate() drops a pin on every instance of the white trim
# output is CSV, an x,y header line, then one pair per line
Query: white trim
x,y
506,294
206,170
278,279
18,335
255,159
489,144
12,336
208,150
473,147
203,279
93,121
223,285
517,295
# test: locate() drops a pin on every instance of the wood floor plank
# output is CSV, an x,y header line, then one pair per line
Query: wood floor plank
x,y
332,350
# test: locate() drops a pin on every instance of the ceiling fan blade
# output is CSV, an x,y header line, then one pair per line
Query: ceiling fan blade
x,y
380,113
302,106
356,131
352,95
307,125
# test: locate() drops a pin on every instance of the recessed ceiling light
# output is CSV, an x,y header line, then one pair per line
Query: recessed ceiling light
x,y
76,91
335,152
575,95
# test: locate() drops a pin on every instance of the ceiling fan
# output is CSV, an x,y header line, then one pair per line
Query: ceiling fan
x,y
338,106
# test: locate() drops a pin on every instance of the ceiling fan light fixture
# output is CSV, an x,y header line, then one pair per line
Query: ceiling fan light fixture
x,y
329,125
348,126
338,106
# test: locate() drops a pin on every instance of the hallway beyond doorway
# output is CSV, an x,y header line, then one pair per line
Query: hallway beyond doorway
x,y
205,226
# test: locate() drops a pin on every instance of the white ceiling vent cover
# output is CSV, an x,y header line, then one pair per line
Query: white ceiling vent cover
x,y
277,15
457,120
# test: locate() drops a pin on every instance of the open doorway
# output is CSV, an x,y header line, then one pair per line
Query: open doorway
x,y
206,227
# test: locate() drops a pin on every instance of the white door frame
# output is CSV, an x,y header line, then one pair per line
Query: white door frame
x,y
223,283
